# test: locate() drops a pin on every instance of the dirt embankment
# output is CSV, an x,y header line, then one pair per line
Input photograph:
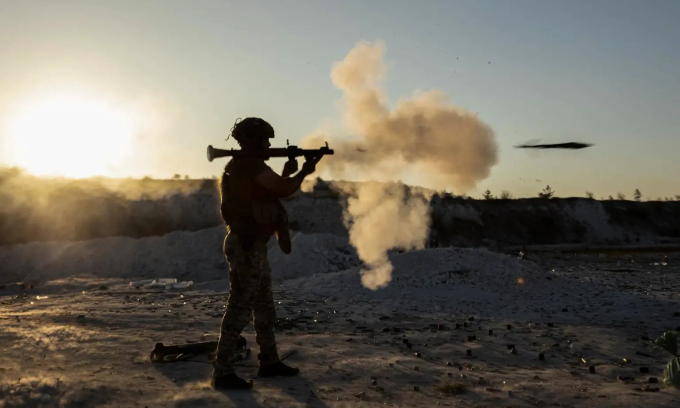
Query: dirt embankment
x,y
556,221
45,210
48,209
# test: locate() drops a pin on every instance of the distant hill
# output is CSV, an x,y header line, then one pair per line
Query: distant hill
x,y
39,209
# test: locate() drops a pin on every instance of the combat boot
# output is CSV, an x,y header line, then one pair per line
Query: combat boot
x,y
278,369
224,378
229,382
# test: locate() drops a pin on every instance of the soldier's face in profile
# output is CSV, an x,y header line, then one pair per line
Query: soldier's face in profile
x,y
262,142
258,142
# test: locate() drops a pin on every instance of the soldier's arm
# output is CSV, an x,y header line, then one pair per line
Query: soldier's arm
x,y
283,187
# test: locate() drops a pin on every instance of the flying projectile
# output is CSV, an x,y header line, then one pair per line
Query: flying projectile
x,y
570,145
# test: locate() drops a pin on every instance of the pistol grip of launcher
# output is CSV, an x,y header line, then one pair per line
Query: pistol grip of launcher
x,y
293,152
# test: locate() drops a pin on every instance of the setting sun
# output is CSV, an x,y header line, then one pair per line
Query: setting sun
x,y
70,136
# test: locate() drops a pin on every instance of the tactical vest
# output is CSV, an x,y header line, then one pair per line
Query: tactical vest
x,y
251,218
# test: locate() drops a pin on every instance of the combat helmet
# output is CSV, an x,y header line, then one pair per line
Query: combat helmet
x,y
248,128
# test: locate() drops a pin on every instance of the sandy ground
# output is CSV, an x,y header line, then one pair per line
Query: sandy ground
x,y
85,342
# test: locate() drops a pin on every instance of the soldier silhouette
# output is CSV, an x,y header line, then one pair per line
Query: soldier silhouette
x,y
250,206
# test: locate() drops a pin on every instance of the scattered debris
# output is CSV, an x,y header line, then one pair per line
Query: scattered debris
x,y
451,388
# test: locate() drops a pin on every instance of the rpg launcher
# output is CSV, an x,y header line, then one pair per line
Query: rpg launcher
x,y
291,152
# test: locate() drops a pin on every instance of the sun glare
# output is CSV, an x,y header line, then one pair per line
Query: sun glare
x,y
70,136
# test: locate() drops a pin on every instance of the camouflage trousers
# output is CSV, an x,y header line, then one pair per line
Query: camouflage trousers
x,y
250,293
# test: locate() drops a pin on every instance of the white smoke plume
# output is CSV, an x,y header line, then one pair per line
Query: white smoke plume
x,y
381,217
447,145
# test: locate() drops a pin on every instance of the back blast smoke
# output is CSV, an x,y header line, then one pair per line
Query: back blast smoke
x,y
446,145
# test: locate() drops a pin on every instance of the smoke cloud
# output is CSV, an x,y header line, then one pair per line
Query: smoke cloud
x,y
381,217
446,145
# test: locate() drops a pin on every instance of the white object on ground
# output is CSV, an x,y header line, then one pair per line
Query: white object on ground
x,y
180,285
141,283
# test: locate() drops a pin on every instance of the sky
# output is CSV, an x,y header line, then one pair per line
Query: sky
x,y
603,72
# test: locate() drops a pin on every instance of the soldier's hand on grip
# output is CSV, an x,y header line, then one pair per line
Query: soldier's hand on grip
x,y
309,166
290,167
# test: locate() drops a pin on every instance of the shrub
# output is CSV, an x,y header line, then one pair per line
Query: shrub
x,y
669,342
506,195
546,193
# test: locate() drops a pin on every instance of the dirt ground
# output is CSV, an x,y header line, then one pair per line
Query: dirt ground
x,y
80,342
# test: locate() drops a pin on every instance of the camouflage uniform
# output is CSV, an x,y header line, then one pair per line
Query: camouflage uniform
x,y
252,215
250,290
